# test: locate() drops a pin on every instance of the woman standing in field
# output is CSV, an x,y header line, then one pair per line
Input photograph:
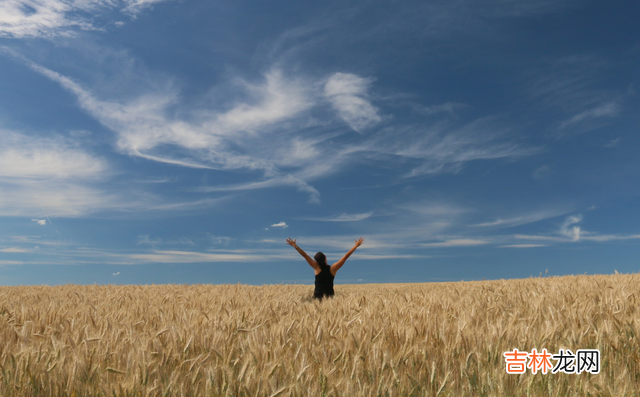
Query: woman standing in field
x,y
324,273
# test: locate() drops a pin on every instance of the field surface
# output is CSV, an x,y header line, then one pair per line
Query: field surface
x,y
434,339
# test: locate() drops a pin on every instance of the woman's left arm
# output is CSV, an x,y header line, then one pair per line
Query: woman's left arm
x,y
336,266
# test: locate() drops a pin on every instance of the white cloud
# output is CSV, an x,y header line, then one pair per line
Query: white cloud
x,y
461,242
239,138
240,256
523,219
9,263
613,142
609,109
572,232
433,208
50,18
199,257
277,99
572,85
582,236
221,240
61,199
451,152
347,93
440,148
540,237
268,131
342,218
143,125
363,256
448,108
280,224
40,221
145,240
336,243
608,237
13,250
47,176
522,246
50,176
566,232
158,204
284,180
25,157
414,226
133,7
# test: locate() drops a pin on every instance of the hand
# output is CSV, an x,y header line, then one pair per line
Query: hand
x,y
292,242
359,242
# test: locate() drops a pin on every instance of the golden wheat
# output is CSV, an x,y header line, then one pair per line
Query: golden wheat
x,y
435,339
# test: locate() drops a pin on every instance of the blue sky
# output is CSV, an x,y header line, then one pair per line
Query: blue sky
x,y
161,141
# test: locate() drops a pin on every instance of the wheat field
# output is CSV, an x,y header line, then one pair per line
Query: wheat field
x,y
431,339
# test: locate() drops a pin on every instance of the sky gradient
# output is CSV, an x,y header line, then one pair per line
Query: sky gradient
x,y
163,141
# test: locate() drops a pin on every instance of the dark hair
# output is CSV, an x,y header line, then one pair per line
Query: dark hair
x,y
321,259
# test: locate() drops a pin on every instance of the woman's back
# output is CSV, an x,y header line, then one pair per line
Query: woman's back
x,y
324,282
324,273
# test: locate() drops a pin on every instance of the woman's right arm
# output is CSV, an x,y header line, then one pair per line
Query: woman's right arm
x,y
310,261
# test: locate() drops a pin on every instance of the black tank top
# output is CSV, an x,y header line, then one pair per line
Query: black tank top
x,y
324,281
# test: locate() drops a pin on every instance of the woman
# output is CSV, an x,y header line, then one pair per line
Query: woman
x,y
324,273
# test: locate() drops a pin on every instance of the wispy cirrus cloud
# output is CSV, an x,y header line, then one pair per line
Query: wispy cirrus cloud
x,y
608,109
60,199
50,18
278,127
444,147
347,93
446,108
458,242
449,152
10,263
344,217
273,181
160,256
48,176
522,246
52,176
239,138
571,232
573,87
35,158
13,250
522,219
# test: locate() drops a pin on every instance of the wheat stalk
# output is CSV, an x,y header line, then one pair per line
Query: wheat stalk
x,y
435,339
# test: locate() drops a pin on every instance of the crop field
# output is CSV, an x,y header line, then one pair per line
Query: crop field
x,y
431,339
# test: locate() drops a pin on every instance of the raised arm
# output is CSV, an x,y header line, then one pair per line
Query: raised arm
x,y
336,266
310,261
